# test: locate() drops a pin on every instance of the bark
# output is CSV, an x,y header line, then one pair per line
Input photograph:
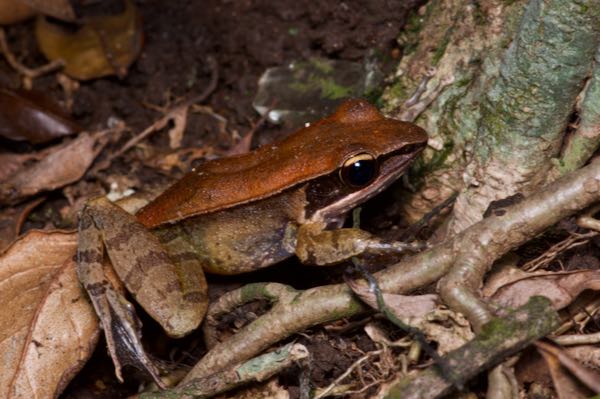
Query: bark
x,y
500,339
517,69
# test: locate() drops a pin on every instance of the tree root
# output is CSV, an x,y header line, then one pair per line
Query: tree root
x,y
486,240
258,369
499,339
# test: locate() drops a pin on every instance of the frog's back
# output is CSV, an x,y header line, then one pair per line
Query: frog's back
x,y
310,152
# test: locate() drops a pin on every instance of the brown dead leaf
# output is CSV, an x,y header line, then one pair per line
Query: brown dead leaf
x,y
531,368
245,144
10,163
505,273
47,327
403,306
30,115
14,11
567,374
104,45
60,9
269,389
179,117
181,159
450,330
588,355
66,164
11,221
560,287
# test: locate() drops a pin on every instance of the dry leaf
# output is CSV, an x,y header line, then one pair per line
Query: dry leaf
x,y
30,115
47,327
561,288
11,163
179,117
567,374
588,355
11,221
104,45
181,159
505,273
450,330
60,9
403,306
270,389
14,11
66,164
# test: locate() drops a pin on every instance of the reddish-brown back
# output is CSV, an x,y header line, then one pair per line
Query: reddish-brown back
x,y
313,151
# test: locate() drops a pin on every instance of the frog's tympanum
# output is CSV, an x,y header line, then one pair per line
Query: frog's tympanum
x,y
238,214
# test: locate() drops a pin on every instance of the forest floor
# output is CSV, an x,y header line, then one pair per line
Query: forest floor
x,y
245,38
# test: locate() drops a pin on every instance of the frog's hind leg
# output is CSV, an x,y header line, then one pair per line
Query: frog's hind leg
x,y
167,285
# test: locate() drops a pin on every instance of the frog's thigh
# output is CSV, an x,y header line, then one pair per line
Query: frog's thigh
x,y
322,247
190,274
147,271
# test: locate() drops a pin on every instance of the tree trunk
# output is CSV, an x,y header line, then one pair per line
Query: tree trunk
x,y
518,71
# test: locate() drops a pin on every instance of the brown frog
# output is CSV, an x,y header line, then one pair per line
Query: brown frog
x,y
238,214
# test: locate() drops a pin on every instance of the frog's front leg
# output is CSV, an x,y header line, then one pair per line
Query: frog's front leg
x,y
317,246
160,271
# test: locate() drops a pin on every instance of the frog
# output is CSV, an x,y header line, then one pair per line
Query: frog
x,y
238,214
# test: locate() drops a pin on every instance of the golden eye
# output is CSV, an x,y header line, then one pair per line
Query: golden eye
x,y
359,170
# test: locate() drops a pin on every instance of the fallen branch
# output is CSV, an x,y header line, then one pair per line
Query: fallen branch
x,y
498,233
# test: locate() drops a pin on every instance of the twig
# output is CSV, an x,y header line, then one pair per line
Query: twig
x,y
582,316
243,146
22,69
410,233
574,240
325,391
162,122
578,339
415,333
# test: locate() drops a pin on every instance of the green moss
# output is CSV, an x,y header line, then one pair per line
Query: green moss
x,y
414,22
326,85
374,96
462,82
253,291
441,49
409,38
398,89
439,158
499,329
332,90
579,150
322,65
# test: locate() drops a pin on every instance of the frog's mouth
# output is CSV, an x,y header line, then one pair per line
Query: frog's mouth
x,y
391,167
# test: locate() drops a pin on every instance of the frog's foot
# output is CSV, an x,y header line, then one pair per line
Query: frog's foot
x,y
325,247
123,337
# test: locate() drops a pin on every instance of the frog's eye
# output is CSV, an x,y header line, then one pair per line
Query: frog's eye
x,y
359,170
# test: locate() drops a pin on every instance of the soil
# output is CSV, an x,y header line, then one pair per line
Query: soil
x,y
245,37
